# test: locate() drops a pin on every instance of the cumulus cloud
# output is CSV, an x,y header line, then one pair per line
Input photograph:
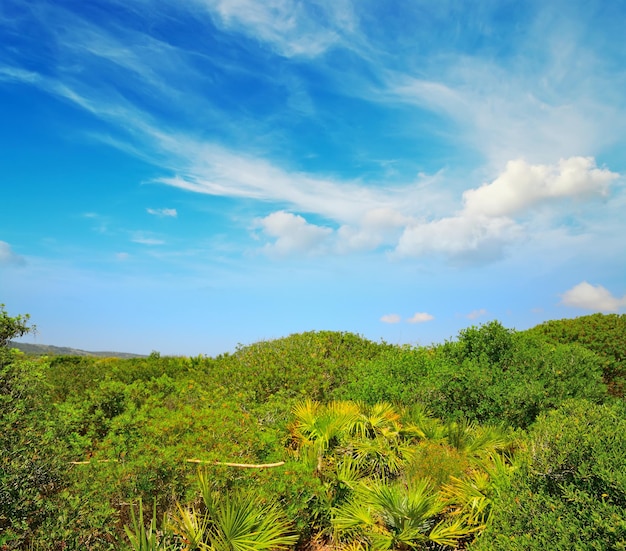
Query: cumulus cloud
x,y
421,317
163,213
378,226
457,235
8,257
592,297
292,234
491,217
391,318
476,314
522,185
486,223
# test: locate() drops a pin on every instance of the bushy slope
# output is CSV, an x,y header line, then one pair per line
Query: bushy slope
x,y
109,431
603,334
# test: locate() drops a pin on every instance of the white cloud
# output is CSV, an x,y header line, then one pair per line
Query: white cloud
x,y
458,235
522,185
122,256
143,239
476,314
534,122
540,107
290,27
378,226
391,318
163,213
292,234
592,297
8,257
421,317
486,224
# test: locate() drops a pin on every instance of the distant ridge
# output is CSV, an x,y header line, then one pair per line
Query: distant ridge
x,y
49,350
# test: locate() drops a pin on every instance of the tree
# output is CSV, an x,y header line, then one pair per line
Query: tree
x,y
11,328
31,470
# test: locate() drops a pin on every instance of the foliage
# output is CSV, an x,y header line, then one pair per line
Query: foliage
x,y
393,376
570,490
375,489
490,374
397,516
603,334
12,328
31,472
237,522
357,423
142,537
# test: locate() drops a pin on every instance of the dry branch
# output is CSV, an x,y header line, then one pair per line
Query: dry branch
x,y
239,465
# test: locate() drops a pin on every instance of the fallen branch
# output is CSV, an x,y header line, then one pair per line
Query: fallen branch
x,y
239,465
96,461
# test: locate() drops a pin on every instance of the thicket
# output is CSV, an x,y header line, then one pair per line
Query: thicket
x,y
569,492
376,446
605,335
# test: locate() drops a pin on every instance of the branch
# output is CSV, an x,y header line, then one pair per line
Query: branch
x,y
88,462
239,465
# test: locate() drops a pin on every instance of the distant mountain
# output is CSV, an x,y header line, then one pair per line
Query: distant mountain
x,y
49,350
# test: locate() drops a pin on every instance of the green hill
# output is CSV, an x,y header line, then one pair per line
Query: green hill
x,y
50,350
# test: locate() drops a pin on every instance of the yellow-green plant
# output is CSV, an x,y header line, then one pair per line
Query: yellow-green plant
x,y
237,522
385,516
144,538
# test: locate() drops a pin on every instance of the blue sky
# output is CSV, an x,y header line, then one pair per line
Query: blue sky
x,y
185,176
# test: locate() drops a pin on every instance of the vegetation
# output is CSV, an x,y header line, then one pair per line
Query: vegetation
x,y
494,440
603,334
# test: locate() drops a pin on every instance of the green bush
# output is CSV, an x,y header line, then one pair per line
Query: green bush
x,y
569,493
393,376
31,467
507,378
603,334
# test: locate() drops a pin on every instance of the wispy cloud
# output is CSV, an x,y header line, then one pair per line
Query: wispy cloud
x,y
163,213
499,107
291,28
145,239
8,257
547,104
592,297
476,314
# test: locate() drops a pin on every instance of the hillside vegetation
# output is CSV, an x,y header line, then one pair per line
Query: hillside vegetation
x,y
497,439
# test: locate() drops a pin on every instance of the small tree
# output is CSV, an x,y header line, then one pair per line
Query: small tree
x,y
11,328
30,466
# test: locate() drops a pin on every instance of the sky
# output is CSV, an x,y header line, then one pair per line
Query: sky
x,y
186,176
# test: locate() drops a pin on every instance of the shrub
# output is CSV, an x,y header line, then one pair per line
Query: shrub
x,y
570,491
603,334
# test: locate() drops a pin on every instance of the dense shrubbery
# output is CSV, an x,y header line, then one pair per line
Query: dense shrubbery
x,y
603,334
490,374
83,439
569,492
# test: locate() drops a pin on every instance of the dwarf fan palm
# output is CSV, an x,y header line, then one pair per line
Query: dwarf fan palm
x,y
241,522
396,517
